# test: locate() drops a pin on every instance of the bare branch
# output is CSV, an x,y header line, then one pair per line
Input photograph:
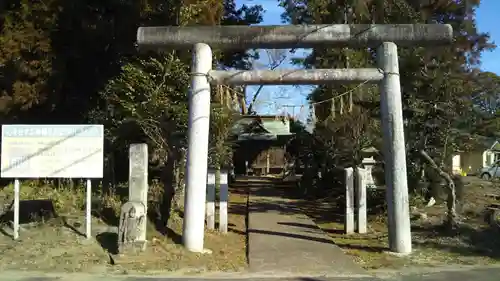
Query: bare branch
x,y
276,58
452,197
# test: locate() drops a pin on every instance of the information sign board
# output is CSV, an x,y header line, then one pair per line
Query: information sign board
x,y
52,151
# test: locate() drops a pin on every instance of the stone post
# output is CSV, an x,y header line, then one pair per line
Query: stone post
x,y
210,205
349,201
268,163
223,201
361,200
138,179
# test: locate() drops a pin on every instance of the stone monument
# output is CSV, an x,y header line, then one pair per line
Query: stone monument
x,y
133,214
132,227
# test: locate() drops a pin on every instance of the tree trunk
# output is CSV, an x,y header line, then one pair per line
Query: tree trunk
x,y
451,203
241,99
217,177
179,180
254,100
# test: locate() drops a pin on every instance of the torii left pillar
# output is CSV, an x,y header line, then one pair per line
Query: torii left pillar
x,y
197,154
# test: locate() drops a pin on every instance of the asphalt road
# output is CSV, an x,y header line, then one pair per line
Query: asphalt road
x,y
483,274
487,274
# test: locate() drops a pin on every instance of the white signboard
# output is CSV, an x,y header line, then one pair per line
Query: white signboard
x,y
52,151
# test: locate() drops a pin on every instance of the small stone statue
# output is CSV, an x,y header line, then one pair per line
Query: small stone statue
x,y
132,230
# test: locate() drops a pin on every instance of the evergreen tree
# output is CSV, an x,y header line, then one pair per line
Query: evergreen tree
x,y
437,83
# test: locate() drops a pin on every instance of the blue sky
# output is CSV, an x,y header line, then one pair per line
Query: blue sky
x,y
272,98
487,20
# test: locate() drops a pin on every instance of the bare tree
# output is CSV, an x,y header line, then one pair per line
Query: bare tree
x,y
452,219
275,58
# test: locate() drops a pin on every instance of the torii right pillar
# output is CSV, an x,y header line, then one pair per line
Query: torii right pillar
x,y
394,150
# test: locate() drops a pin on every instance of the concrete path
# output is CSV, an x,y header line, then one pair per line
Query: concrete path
x,y
282,240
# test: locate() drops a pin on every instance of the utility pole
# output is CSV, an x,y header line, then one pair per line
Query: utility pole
x,y
290,106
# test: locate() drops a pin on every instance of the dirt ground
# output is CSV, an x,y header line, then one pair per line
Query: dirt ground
x,y
51,243
475,242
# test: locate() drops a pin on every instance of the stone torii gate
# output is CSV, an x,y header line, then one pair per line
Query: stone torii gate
x,y
383,37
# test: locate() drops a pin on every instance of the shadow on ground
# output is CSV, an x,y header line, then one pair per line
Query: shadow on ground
x,y
30,212
109,242
466,240
108,216
286,191
333,231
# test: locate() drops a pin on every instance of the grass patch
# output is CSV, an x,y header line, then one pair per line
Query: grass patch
x,y
55,243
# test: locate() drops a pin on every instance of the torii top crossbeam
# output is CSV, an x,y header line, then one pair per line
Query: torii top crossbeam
x,y
294,36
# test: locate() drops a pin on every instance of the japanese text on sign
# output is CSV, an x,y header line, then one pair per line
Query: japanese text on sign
x,y
52,151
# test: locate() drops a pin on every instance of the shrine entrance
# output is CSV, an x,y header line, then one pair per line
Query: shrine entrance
x,y
261,144
383,38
